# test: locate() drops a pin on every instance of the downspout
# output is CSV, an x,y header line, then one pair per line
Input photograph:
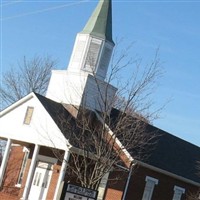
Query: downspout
x,y
128,180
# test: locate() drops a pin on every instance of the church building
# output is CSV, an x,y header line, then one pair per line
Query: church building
x,y
33,129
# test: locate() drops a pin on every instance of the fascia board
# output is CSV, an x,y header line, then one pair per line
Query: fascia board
x,y
16,104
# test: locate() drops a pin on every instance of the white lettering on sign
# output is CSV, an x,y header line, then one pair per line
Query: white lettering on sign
x,y
75,192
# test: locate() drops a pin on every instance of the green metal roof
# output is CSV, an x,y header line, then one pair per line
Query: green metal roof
x,y
100,22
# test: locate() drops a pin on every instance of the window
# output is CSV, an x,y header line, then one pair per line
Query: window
x,y
149,187
105,59
35,181
23,166
92,55
178,191
28,115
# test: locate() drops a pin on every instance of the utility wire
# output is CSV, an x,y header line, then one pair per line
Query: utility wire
x,y
10,3
44,10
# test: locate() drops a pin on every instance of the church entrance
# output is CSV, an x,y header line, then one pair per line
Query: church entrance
x,y
41,181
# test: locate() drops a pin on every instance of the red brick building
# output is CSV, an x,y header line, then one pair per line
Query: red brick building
x,y
33,128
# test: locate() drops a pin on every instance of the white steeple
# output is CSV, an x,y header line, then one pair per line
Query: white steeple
x,y
93,46
83,82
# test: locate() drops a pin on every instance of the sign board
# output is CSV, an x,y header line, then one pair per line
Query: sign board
x,y
74,192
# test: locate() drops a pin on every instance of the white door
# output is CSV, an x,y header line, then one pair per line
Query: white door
x,y
41,180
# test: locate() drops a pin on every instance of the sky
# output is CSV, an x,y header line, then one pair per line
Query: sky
x,y
49,28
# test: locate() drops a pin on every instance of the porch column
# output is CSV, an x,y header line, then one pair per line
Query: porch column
x,y
31,172
62,174
5,160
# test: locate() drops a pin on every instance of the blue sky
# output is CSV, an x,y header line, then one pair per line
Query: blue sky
x,y
43,28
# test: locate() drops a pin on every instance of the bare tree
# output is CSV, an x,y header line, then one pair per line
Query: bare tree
x,y
100,140
195,195
103,140
31,75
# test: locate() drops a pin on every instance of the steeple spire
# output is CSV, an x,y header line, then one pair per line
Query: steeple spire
x,y
100,22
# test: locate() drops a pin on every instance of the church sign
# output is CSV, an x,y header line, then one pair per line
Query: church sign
x,y
74,192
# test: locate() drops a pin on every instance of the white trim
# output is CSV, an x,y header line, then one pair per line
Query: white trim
x,y
149,187
16,104
18,185
61,175
47,159
178,191
148,178
31,172
179,188
15,145
23,166
25,149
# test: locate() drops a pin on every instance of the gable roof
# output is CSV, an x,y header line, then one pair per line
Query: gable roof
x,y
56,110
42,128
167,152
174,155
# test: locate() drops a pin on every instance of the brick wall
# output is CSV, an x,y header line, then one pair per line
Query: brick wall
x,y
163,191
9,190
12,172
53,182
113,194
115,186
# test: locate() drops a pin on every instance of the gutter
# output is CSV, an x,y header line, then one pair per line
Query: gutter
x,y
186,180
121,167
